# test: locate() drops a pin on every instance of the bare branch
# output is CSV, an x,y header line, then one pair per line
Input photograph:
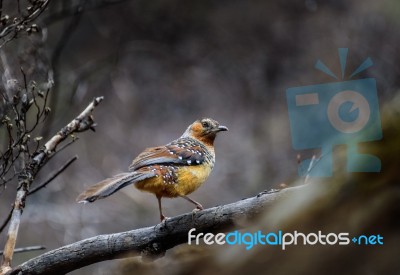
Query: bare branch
x,y
82,122
44,184
27,249
150,241
17,134
56,174
20,23
7,220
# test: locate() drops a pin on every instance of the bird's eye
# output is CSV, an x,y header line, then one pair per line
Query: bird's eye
x,y
205,124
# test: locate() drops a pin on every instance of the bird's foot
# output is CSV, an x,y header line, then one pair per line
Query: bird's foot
x,y
194,211
164,219
198,208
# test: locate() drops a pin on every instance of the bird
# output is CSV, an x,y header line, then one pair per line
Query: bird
x,y
172,170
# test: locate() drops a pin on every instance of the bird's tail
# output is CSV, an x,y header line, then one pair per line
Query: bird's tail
x,y
109,186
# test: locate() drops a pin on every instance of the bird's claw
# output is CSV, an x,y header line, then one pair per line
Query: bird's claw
x,y
164,219
194,211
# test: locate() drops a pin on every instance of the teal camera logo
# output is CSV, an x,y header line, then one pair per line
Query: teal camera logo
x,y
338,113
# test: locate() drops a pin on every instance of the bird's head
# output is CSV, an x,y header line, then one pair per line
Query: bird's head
x,y
205,130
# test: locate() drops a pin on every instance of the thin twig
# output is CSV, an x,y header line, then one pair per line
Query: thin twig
x,y
7,220
26,20
56,174
67,144
42,185
27,249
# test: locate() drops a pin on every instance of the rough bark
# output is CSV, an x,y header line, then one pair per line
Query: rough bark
x,y
150,241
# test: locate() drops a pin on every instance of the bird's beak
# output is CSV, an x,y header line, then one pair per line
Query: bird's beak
x,y
222,128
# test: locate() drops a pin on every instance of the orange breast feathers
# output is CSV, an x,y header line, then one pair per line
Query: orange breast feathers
x,y
173,181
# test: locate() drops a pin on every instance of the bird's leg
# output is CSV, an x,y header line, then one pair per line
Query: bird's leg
x,y
198,205
162,217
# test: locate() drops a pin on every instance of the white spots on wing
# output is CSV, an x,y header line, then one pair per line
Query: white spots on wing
x,y
168,174
187,151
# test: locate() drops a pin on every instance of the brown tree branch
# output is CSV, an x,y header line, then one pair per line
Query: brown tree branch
x,y
150,241
82,122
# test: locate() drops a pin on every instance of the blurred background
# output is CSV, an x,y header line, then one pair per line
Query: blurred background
x,y
163,64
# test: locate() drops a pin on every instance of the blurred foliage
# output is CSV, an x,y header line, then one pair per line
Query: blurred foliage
x,y
163,64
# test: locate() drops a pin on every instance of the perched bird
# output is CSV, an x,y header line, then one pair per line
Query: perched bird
x,y
173,170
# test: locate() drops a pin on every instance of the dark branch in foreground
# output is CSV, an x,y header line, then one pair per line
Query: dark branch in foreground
x,y
150,241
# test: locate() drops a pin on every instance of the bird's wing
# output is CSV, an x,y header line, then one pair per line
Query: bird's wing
x,y
183,151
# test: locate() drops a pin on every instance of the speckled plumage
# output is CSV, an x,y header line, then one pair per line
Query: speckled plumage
x,y
173,170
